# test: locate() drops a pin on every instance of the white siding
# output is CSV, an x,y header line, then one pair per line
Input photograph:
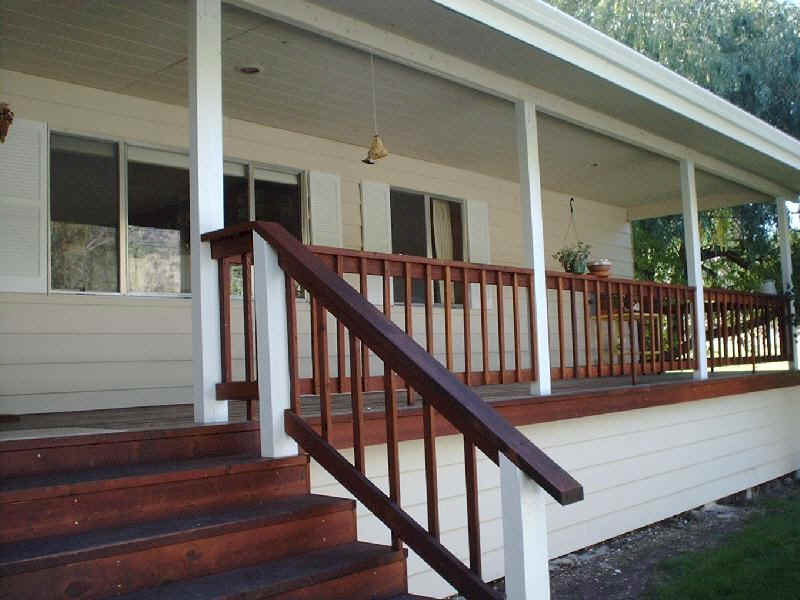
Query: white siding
x,y
637,467
62,352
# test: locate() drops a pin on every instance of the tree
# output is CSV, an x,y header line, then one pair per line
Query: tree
x,y
746,51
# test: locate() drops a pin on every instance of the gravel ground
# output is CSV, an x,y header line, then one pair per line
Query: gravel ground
x,y
624,567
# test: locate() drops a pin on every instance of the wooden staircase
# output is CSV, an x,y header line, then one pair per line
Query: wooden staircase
x,y
187,513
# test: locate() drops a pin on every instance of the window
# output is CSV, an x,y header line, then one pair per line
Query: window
x,y
84,214
277,198
426,226
158,222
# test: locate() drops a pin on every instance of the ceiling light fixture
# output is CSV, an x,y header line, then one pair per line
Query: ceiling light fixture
x,y
250,69
376,149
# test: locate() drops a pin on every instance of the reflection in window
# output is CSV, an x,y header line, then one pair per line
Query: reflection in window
x,y
279,202
158,229
84,214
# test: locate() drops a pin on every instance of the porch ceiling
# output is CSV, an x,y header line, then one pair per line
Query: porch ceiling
x,y
319,87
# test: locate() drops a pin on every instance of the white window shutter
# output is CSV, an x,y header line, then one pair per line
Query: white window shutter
x,y
478,231
325,204
23,208
478,243
376,230
376,217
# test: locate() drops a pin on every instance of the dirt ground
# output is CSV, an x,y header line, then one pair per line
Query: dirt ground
x,y
622,568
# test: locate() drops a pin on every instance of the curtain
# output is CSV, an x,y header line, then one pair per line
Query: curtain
x,y
442,229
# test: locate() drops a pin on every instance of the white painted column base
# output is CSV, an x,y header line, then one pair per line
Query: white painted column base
x,y
533,236
691,231
272,338
526,567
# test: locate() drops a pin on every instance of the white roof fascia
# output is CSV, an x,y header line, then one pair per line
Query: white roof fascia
x,y
547,28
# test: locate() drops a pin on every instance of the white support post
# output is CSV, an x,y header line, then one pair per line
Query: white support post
x,y
206,209
524,535
533,235
785,249
272,339
691,231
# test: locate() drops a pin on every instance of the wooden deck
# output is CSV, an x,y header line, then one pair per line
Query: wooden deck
x,y
160,417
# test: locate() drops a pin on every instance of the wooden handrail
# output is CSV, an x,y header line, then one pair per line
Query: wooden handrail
x,y
481,425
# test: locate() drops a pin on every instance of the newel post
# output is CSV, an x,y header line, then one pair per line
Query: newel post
x,y
205,206
272,339
785,249
691,232
524,535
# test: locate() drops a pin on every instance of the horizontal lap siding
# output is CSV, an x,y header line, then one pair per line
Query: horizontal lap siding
x,y
71,352
637,467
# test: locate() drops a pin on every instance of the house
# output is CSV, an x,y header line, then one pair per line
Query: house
x,y
143,272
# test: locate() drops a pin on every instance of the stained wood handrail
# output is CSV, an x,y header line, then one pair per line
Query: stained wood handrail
x,y
481,426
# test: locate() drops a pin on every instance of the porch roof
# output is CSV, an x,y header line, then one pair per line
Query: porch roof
x,y
612,123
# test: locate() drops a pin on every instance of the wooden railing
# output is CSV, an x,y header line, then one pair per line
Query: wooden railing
x,y
618,326
746,328
443,395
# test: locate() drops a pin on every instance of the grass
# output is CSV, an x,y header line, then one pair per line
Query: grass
x,y
760,561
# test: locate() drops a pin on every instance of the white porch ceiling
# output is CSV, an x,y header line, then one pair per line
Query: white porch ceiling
x,y
319,87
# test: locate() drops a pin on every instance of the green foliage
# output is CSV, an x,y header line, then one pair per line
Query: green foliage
x,y
573,258
758,562
746,51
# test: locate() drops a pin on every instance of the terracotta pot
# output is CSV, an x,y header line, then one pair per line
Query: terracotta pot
x,y
600,269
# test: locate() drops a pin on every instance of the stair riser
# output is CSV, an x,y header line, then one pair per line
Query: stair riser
x,y
143,568
379,582
79,512
119,449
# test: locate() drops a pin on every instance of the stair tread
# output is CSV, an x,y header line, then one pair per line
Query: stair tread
x,y
277,576
32,486
39,553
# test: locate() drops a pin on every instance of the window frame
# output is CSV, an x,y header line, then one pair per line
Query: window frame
x,y
428,229
122,145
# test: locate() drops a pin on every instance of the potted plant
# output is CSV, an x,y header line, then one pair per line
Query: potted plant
x,y
573,258
600,267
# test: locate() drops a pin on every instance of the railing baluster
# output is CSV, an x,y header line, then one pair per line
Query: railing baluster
x,y
573,321
532,327
632,333
671,292
291,317
315,387
484,328
652,292
768,319
473,519
409,316
610,326
515,309
560,310
357,399
501,325
467,308
431,477
679,296
326,417
753,330
224,267
587,332
712,320
341,359
448,318
392,446
598,313
621,319
661,345
724,316
363,283
429,310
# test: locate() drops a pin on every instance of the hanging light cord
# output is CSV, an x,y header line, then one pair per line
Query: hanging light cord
x,y
374,104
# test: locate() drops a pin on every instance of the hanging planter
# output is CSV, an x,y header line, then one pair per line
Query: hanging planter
x,y
573,258
6,119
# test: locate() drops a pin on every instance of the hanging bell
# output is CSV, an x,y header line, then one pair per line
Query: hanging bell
x,y
376,151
